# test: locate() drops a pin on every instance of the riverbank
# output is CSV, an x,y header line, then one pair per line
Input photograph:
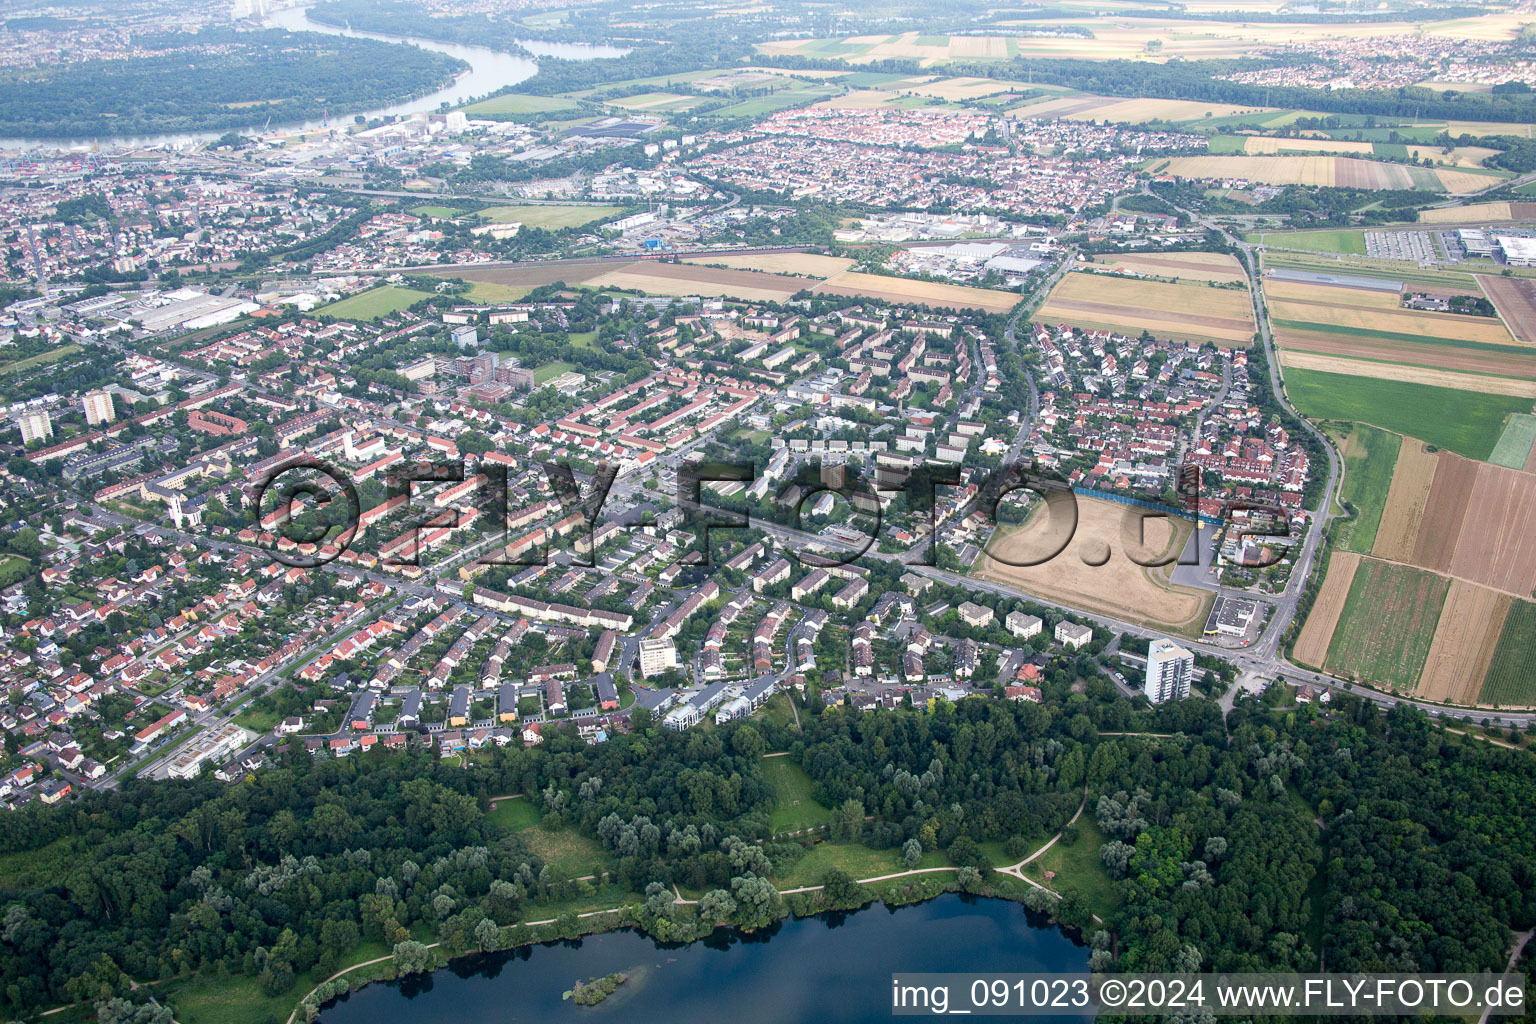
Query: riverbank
x,y
913,888
1008,882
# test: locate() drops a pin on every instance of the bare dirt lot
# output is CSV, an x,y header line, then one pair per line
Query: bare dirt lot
x,y
1497,544
1470,624
1515,299
1440,528
1407,498
1317,633
1117,587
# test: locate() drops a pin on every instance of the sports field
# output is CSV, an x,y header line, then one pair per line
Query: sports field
x,y
548,217
374,303
1128,306
794,797
1370,455
1462,421
1387,625
1112,583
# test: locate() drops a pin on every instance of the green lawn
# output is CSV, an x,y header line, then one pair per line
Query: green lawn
x,y
515,815
1515,442
549,371
1348,242
444,212
257,721
1371,455
549,217
51,356
511,105
584,339
1078,867
568,854
12,568
1389,619
1511,677
857,860
372,304
240,1000
1226,145
794,793
1461,421
486,291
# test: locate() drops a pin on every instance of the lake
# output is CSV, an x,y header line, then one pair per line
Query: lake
x,y
829,968
489,70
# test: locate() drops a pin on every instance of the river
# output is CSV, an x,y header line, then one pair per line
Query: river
x,y
489,70
834,968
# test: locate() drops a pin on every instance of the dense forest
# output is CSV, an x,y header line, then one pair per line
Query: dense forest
x,y
1376,840
216,80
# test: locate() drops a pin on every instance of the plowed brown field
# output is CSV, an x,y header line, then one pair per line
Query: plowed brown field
x,y
1440,528
1508,363
1498,540
1515,299
1317,633
1464,642
1407,497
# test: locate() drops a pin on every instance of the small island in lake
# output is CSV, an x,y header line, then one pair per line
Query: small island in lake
x,y
591,993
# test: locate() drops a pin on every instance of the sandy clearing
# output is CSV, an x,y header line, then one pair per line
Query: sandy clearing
x,y
1497,543
900,289
1116,587
1317,632
1407,497
1392,351
1410,374
1459,655
805,264
1445,512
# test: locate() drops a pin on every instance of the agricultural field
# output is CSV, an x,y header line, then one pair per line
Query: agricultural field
x,y
512,105
1462,421
1514,448
550,218
1463,644
1326,171
929,293
1118,586
794,95
1479,213
1413,474
654,102
1326,307
1388,622
1472,520
1355,367
799,264
374,303
684,279
1317,632
1118,110
1128,306
1347,242
1370,456
1511,675
1185,266
1266,145
1515,299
